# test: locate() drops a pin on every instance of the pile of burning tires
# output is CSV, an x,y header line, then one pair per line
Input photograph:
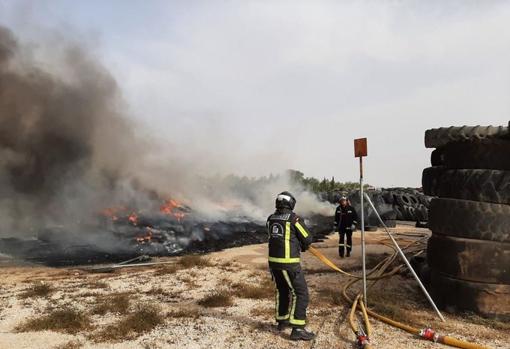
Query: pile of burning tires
x,y
469,250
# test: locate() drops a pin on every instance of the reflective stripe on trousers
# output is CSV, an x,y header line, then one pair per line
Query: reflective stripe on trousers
x,y
292,296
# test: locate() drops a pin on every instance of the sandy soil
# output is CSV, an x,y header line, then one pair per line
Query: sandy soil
x,y
246,324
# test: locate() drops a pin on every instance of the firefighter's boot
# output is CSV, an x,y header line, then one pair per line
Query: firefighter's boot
x,y
282,325
301,334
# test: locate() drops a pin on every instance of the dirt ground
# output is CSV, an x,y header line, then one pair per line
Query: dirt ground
x,y
224,300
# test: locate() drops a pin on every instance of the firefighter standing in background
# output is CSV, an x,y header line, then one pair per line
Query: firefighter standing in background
x,y
346,219
288,237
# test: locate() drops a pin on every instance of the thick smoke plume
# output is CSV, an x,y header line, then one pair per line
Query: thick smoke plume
x,y
66,151
56,130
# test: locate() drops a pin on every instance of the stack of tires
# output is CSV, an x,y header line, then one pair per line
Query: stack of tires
x,y
469,251
409,204
384,209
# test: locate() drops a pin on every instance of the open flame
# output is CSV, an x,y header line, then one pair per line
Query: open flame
x,y
133,218
114,213
173,208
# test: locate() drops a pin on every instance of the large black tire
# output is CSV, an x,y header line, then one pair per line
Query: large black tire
x,y
477,185
388,197
470,259
400,213
402,199
490,300
436,157
414,200
438,137
470,219
488,154
425,200
422,213
410,213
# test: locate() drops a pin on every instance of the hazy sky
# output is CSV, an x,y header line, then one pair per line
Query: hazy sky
x,y
254,87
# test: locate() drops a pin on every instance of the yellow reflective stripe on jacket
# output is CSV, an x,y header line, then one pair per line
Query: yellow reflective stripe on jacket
x,y
301,229
287,240
283,260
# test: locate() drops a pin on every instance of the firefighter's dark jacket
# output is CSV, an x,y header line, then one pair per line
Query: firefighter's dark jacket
x,y
345,217
288,236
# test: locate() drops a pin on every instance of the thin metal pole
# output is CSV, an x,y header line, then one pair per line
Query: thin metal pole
x,y
402,255
363,261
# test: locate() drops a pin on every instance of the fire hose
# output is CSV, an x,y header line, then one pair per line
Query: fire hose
x,y
363,338
426,333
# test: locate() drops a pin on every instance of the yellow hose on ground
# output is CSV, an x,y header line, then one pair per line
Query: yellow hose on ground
x,y
365,316
355,328
441,339
330,264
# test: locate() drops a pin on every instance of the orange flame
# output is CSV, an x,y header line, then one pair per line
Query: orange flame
x,y
133,218
113,212
170,207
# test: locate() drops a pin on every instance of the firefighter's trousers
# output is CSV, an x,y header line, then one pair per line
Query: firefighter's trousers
x,y
342,244
291,296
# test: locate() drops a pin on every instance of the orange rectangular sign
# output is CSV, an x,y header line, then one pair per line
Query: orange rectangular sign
x,y
360,147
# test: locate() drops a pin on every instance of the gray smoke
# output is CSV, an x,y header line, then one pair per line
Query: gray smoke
x,y
67,151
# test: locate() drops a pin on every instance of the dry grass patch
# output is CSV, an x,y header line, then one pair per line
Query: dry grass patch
x,y
260,291
192,313
144,319
65,320
262,312
115,303
216,300
191,261
158,291
167,269
188,280
495,324
88,294
97,284
392,307
37,290
330,296
69,345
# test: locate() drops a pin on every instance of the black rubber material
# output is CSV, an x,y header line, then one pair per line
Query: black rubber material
x,y
488,154
400,214
489,300
477,185
470,219
438,137
425,200
436,157
470,259
402,199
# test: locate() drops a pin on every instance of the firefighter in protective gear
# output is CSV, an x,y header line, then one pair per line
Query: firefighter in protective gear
x,y
346,219
288,237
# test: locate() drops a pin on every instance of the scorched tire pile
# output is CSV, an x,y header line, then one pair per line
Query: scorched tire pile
x,y
469,251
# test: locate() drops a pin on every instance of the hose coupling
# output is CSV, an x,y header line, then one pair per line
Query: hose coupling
x,y
429,334
362,341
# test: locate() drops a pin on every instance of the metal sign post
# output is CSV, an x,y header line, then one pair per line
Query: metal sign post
x,y
360,150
